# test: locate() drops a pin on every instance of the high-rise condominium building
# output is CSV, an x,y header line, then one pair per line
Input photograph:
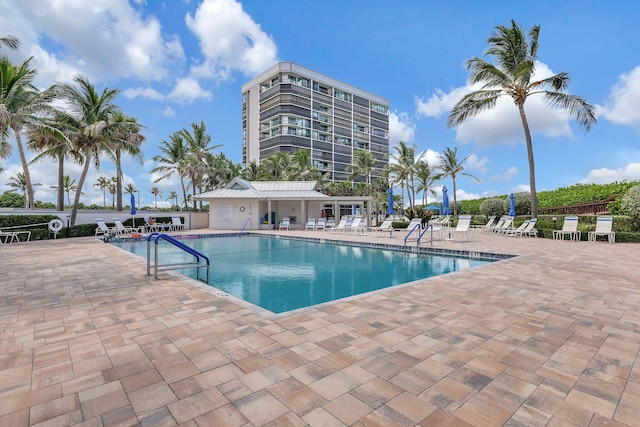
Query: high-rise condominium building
x,y
290,108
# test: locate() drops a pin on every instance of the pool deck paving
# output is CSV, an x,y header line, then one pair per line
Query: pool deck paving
x,y
547,338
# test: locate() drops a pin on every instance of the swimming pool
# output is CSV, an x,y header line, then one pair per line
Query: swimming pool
x,y
281,274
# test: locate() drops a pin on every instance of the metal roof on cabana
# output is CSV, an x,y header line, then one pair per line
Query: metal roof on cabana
x,y
239,188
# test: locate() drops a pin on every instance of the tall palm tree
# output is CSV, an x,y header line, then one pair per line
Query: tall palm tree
x,y
300,167
425,179
68,185
515,61
402,169
251,171
112,186
103,184
10,41
173,196
89,123
19,183
197,141
20,107
274,167
363,164
451,166
128,140
156,192
173,160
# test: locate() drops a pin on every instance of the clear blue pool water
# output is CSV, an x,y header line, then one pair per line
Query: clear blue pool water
x,y
282,274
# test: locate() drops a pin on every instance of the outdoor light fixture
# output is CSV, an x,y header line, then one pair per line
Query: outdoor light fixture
x,y
554,219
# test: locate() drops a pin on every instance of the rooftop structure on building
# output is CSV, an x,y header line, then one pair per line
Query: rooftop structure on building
x,y
290,108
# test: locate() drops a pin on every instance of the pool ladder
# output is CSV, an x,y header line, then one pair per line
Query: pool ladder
x,y
420,234
197,264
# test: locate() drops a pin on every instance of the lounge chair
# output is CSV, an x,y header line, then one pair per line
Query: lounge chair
x,y
604,226
385,227
176,223
462,228
310,225
121,230
321,224
102,228
487,226
357,225
569,228
7,237
344,224
504,225
516,231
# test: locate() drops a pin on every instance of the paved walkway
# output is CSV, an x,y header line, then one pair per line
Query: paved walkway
x,y
549,338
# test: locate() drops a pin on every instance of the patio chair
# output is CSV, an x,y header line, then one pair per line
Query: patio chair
x,y
122,230
7,237
604,226
517,231
321,224
385,227
284,224
569,229
357,225
342,225
310,225
462,228
102,228
487,226
503,226
176,223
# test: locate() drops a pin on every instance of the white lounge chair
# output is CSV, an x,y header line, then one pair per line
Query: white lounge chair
x,y
490,222
310,225
462,228
527,228
569,228
516,231
503,226
385,227
357,225
321,224
122,230
102,228
7,237
176,223
604,227
284,224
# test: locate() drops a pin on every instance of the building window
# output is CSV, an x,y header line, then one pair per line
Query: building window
x,y
298,121
379,108
321,117
358,127
298,131
344,141
342,95
379,132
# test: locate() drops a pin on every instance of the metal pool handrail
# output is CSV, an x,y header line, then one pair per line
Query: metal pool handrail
x,y
156,237
410,232
429,226
248,221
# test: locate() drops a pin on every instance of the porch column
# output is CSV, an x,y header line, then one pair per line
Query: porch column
x,y
269,211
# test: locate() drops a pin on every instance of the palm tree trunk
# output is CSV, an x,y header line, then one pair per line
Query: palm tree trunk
x,y
76,199
118,180
184,193
455,200
532,167
30,203
60,200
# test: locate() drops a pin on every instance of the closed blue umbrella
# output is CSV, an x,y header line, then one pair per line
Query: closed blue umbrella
x,y
390,202
133,208
445,200
512,205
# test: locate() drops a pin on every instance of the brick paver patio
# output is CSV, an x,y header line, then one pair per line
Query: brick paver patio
x,y
549,338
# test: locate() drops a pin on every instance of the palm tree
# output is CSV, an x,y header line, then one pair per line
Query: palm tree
x,y
20,105
425,180
19,183
91,126
402,169
197,141
173,160
103,183
251,171
112,186
516,58
274,167
363,164
173,196
128,140
450,166
68,185
156,192
10,41
300,167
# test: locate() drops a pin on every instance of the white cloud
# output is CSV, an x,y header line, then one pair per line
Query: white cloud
x,y
188,90
474,162
623,104
230,40
400,128
110,39
631,172
431,157
144,92
511,173
501,124
168,112
522,188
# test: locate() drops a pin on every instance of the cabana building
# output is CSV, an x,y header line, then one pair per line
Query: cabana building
x,y
254,205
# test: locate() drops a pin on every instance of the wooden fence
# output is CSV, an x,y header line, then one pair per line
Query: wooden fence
x,y
596,208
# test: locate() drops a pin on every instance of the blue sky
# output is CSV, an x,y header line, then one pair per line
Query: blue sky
x,y
178,62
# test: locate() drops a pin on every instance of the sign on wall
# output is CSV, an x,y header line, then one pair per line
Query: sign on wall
x,y
225,213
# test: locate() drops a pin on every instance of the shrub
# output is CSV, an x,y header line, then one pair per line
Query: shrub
x,y
523,203
631,204
491,207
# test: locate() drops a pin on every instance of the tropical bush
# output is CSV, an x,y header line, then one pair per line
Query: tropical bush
x,y
631,204
523,203
492,207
